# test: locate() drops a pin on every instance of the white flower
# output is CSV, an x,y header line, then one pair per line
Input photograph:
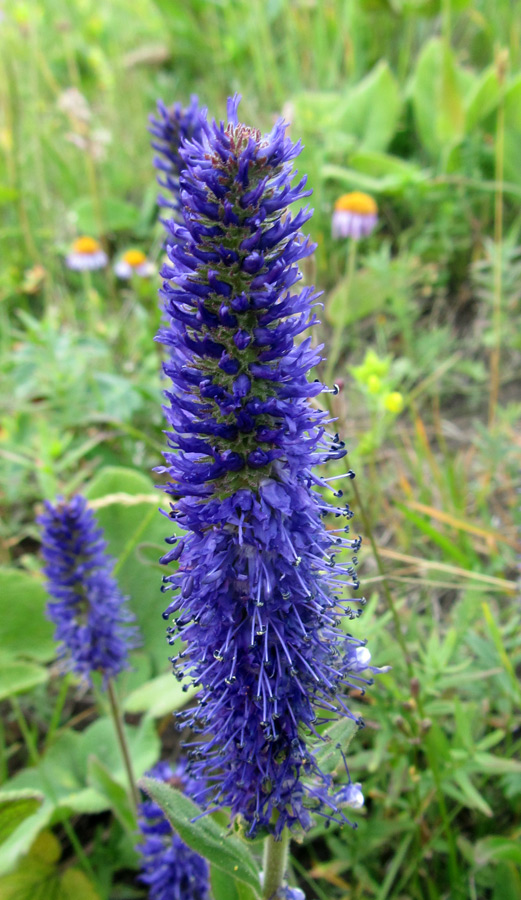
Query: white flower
x,y
134,262
86,254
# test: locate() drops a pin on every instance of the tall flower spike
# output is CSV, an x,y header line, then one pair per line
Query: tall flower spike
x,y
87,608
258,588
171,870
173,125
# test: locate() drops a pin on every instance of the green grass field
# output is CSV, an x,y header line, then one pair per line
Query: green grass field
x,y
417,103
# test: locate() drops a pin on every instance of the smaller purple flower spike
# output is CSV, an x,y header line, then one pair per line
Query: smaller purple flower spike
x,y
87,607
171,870
173,125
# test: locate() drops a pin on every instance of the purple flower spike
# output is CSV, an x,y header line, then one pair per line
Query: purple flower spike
x,y
258,591
171,870
173,125
87,608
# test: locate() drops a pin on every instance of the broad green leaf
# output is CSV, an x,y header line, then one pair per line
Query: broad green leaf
x,y
127,527
220,848
103,782
337,737
223,887
21,839
15,807
18,677
482,100
497,848
371,109
438,98
507,881
38,876
62,773
160,696
100,740
385,166
117,215
25,631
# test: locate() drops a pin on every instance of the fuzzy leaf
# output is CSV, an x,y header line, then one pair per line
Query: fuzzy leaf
x,y
220,848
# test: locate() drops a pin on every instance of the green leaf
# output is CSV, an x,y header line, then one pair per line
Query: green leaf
x,y
371,109
495,765
25,631
18,677
62,773
220,848
437,98
117,215
473,798
21,839
390,170
7,194
223,888
482,99
160,696
497,849
37,878
127,527
15,807
446,543
103,782
337,737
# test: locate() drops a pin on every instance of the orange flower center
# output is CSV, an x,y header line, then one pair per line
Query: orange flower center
x,y
85,245
134,258
357,202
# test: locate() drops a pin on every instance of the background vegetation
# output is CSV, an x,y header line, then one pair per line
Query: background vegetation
x,y
418,103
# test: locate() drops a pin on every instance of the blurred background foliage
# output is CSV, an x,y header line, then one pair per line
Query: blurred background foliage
x,y
418,103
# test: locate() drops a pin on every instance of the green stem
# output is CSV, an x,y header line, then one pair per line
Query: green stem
x,y
498,256
57,711
122,740
338,333
275,862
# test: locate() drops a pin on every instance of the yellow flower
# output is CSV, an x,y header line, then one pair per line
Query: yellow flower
x,y
374,384
357,202
394,402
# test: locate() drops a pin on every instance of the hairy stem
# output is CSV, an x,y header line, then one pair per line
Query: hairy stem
x,y
275,862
